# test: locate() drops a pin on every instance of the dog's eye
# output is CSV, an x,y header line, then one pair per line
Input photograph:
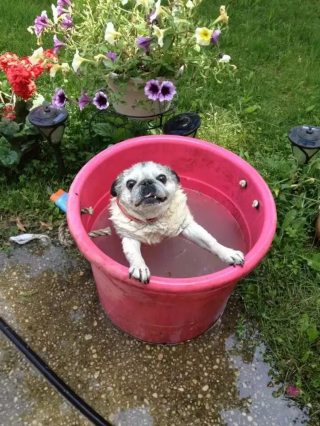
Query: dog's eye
x,y
130,184
162,178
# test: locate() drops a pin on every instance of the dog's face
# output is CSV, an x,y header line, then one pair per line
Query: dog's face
x,y
146,188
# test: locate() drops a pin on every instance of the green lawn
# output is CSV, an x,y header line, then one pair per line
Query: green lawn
x,y
276,48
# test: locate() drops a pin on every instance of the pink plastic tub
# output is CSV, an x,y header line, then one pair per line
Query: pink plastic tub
x,y
171,310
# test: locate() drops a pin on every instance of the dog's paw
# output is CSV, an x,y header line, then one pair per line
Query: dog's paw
x,y
140,273
232,257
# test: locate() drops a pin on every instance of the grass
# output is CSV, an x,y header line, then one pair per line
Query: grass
x,y
276,48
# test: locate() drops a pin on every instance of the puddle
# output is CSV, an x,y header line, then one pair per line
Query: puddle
x,y
50,298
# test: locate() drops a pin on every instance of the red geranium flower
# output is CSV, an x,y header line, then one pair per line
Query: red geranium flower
x,y
8,112
20,79
7,59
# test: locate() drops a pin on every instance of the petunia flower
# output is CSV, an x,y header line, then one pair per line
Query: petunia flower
x,y
293,391
154,16
123,2
41,23
203,36
77,61
152,90
190,4
57,44
110,33
159,33
112,56
84,100
67,22
59,98
144,43
225,58
36,56
214,37
37,101
61,11
223,16
155,19
167,91
54,13
145,3
100,100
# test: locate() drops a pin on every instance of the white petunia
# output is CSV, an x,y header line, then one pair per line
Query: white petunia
x,y
124,2
157,11
36,56
54,13
110,33
203,36
56,67
225,58
77,61
159,33
37,102
190,4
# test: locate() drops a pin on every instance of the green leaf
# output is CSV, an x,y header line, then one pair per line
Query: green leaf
x,y
313,261
304,323
316,382
197,48
7,156
305,356
251,109
167,42
9,128
313,334
310,108
104,129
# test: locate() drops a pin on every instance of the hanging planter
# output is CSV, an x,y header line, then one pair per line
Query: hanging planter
x,y
133,101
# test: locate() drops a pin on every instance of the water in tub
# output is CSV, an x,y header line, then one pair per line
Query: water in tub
x,y
178,257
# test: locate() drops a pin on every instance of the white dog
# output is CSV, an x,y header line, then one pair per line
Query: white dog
x,y
149,206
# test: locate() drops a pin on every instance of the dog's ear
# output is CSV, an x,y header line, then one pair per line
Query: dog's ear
x,y
113,191
176,176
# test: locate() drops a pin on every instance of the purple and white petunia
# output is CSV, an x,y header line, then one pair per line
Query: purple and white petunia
x,y
59,98
155,19
100,100
152,90
214,37
61,11
67,22
144,43
57,44
112,56
84,100
41,23
167,91
62,3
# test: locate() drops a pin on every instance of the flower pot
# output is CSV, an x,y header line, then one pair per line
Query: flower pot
x,y
133,95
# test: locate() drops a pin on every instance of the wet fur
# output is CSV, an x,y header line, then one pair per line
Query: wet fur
x,y
173,217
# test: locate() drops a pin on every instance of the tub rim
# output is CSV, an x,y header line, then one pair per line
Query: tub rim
x,y
219,279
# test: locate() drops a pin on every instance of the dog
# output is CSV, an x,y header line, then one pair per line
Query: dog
x,y
149,205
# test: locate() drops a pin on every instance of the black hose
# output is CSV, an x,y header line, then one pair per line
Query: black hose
x,y
51,376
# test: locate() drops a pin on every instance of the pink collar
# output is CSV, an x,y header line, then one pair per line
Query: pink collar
x,y
154,219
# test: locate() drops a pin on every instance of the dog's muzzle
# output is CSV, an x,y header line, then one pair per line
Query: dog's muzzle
x,y
149,194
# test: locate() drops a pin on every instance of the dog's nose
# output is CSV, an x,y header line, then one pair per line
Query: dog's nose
x,y
146,182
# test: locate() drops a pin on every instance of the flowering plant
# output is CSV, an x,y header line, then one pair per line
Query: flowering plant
x,y
130,40
17,86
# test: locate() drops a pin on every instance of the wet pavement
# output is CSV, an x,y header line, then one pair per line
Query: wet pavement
x,y
48,295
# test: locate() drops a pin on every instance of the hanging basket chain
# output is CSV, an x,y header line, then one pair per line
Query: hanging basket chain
x,y
65,237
